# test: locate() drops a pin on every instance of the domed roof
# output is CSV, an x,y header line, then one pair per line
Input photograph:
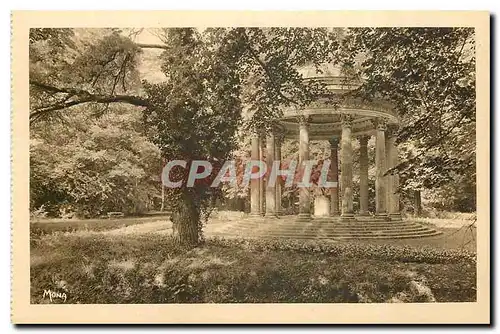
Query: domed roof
x,y
322,71
325,118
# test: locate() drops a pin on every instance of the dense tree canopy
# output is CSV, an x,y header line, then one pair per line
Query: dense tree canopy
x,y
89,166
429,74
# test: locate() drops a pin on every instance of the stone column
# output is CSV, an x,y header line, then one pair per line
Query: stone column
x,y
393,184
334,171
255,183
346,169
278,142
363,175
270,189
262,183
304,192
381,165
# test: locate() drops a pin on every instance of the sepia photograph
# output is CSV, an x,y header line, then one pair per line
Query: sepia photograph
x,y
270,164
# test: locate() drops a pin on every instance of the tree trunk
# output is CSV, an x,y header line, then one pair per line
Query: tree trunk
x,y
185,221
417,204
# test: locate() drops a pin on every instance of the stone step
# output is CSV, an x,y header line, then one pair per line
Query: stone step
x,y
332,233
326,227
364,226
316,222
341,237
347,236
323,228
321,219
388,232
334,230
356,219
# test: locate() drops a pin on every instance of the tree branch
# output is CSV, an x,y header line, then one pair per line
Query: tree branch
x,y
152,46
103,67
266,70
432,144
83,96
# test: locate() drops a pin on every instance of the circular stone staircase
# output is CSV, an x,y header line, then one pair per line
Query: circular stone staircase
x,y
324,228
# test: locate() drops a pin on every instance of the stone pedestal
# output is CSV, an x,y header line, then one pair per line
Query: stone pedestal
x,y
321,206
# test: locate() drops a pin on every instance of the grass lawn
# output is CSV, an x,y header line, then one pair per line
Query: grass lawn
x,y
48,226
96,267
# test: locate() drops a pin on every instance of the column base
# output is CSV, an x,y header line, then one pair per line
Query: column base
x,y
382,216
367,218
255,214
347,217
303,217
270,215
363,214
395,216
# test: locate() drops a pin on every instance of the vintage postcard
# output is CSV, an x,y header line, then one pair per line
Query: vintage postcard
x,y
250,167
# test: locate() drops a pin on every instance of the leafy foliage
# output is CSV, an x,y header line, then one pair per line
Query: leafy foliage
x,y
90,166
429,74
67,70
272,60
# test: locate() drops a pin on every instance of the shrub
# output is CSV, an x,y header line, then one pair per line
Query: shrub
x,y
353,250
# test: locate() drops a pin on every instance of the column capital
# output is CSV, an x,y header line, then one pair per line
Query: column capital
x,y
270,126
347,120
334,142
259,131
392,131
276,127
381,124
279,138
263,139
363,140
254,132
303,119
279,133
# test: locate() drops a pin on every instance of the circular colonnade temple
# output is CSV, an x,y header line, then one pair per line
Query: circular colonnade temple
x,y
340,124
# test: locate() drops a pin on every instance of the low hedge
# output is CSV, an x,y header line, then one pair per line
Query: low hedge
x,y
401,253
